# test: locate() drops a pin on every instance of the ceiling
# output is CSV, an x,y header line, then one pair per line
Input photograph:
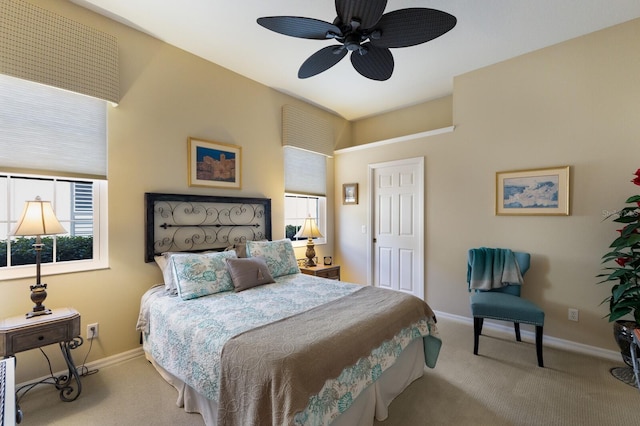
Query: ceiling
x,y
225,32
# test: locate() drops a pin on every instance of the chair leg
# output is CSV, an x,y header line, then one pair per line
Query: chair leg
x,y
477,330
539,345
516,327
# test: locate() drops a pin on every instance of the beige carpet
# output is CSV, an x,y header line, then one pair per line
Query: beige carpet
x,y
503,386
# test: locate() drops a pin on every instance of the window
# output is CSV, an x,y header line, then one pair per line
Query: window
x,y
305,186
77,204
297,208
52,145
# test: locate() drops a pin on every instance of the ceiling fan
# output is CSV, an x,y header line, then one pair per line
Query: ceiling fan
x,y
363,29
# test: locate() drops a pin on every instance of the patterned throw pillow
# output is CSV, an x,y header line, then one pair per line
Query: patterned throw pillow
x,y
163,261
198,275
279,256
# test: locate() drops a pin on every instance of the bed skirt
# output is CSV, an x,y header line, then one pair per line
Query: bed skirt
x,y
372,403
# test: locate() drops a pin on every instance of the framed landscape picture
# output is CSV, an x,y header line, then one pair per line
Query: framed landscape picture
x,y
533,192
214,164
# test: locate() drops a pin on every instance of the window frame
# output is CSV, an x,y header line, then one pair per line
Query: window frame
x,y
100,237
321,219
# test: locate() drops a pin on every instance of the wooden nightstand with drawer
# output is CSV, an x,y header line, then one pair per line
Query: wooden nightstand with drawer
x,y
332,271
62,326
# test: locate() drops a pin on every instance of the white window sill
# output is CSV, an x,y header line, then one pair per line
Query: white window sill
x,y
29,271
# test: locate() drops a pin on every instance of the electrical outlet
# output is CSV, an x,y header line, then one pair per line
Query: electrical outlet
x,y
573,314
92,331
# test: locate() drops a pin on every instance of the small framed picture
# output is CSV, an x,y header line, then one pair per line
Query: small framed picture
x,y
533,192
328,260
214,164
350,193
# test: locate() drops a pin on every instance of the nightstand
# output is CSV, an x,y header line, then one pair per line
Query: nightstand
x,y
331,271
62,326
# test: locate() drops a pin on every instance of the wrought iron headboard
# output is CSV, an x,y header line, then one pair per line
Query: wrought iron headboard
x,y
192,223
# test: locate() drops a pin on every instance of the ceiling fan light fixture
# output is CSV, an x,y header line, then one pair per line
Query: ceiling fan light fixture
x,y
352,42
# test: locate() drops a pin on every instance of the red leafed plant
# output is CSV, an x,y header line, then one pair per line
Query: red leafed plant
x,y
625,253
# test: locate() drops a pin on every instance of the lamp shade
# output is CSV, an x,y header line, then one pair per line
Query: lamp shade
x,y
309,229
38,219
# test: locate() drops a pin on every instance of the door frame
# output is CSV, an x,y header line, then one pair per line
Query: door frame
x,y
419,162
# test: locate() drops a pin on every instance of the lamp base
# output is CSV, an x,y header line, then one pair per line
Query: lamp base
x,y
38,313
38,294
311,254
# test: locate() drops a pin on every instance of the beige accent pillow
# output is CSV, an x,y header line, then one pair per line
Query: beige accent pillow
x,y
240,248
248,272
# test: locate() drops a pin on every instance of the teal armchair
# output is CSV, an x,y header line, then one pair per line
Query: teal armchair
x,y
505,304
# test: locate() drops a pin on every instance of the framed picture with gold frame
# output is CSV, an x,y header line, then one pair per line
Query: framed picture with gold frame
x,y
533,192
350,193
214,164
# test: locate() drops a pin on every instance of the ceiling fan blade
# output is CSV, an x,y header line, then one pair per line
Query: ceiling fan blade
x,y
412,26
296,26
367,12
321,61
376,64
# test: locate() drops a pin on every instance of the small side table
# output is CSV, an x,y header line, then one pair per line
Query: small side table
x,y
62,326
331,271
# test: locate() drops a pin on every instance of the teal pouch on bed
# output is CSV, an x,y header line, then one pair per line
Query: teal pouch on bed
x,y
432,346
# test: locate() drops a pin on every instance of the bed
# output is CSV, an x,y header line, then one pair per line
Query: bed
x,y
246,338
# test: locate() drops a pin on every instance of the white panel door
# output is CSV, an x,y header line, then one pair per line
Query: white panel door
x,y
397,225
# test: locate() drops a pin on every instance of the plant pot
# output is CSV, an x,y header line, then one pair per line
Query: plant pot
x,y
623,333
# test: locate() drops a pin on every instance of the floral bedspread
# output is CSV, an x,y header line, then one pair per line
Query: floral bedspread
x,y
186,337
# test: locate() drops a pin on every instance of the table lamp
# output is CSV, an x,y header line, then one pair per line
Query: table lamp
x,y
38,219
309,230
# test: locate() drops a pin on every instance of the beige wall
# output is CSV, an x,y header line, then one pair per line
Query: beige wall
x,y
573,104
419,118
167,96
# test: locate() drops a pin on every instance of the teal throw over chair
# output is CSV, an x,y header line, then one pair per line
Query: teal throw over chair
x,y
494,277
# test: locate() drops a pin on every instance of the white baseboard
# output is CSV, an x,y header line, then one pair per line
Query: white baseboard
x,y
98,364
550,341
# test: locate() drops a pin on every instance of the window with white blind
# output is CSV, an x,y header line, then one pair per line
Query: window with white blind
x,y
52,145
305,192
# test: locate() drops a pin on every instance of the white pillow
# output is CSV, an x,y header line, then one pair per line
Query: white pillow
x,y
161,261
167,273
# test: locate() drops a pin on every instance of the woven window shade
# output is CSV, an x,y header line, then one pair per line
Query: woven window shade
x,y
306,131
41,46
